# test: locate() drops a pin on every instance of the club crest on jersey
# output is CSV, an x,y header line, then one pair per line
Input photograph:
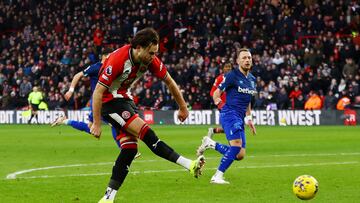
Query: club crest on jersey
x,y
125,114
108,70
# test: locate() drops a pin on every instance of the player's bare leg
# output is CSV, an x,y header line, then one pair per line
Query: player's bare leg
x,y
241,155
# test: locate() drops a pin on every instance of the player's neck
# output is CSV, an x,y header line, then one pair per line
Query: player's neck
x,y
135,56
245,72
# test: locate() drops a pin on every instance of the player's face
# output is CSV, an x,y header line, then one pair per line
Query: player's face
x,y
245,60
227,68
147,54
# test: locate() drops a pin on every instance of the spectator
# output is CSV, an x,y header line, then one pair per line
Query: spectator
x,y
282,99
278,60
299,102
25,88
313,102
342,85
350,69
260,102
343,103
51,47
294,94
330,101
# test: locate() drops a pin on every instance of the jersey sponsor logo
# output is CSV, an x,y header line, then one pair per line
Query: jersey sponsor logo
x,y
125,114
247,91
105,77
108,70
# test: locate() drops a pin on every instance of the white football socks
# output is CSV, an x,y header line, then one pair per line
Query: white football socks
x,y
182,161
218,174
65,121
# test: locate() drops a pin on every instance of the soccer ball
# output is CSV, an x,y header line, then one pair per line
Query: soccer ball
x,y
305,187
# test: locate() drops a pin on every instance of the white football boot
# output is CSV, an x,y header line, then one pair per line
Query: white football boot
x,y
210,132
207,143
58,121
217,179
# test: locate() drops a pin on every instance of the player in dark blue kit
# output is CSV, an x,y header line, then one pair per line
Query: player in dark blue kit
x,y
91,71
239,85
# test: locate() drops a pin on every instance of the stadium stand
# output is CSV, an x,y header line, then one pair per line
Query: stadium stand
x,y
298,47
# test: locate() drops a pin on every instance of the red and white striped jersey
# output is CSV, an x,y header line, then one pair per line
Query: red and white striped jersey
x,y
119,72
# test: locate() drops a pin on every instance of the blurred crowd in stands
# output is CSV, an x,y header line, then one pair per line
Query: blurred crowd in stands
x,y
306,53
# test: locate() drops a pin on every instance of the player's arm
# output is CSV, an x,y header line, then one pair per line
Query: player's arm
x,y
248,120
216,84
96,107
73,84
217,98
175,92
213,88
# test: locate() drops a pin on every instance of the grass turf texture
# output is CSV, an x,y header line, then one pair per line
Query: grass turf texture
x,y
275,157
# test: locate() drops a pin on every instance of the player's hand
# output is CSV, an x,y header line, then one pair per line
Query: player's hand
x,y
220,105
95,130
252,127
68,95
183,114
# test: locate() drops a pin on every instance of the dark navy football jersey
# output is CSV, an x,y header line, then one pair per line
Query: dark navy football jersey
x,y
239,90
93,72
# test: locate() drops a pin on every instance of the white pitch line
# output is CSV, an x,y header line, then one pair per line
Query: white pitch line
x,y
178,170
15,174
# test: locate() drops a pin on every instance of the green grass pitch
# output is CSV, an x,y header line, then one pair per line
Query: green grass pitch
x,y
64,165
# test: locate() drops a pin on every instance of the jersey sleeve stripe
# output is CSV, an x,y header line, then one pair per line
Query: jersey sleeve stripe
x,y
165,76
103,84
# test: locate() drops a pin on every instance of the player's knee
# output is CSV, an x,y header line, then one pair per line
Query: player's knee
x,y
133,125
232,152
129,142
240,155
144,130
